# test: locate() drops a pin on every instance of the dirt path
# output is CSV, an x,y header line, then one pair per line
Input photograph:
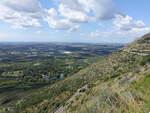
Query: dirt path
x,y
62,108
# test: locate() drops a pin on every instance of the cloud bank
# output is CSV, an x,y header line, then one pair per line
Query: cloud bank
x,y
69,15
123,26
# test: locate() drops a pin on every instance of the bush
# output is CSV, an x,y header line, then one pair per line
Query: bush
x,y
145,60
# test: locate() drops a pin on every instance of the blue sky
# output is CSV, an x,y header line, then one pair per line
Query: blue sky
x,y
95,21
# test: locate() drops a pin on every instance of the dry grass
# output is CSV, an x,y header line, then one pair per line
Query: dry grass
x,y
122,84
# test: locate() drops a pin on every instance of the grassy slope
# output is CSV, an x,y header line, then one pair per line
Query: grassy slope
x,y
124,90
108,80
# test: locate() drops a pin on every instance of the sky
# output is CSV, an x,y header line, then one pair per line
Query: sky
x,y
89,21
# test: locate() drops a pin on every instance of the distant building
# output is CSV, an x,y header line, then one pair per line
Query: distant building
x,y
61,75
67,52
45,77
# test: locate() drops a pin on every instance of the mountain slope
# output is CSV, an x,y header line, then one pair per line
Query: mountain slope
x,y
113,86
122,84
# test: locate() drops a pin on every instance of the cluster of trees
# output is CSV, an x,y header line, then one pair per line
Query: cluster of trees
x,y
34,71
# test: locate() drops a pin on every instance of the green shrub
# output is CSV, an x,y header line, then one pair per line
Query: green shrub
x,y
145,60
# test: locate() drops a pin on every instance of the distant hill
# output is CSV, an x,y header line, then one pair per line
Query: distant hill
x,y
120,83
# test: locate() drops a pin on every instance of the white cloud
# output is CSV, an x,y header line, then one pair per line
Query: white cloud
x,y
75,16
38,32
138,24
29,13
17,18
127,22
120,34
73,4
59,23
82,11
134,33
23,5
100,9
69,15
52,12
124,27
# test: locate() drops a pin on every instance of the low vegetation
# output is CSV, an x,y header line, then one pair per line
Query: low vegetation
x,y
117,83
125,90
32,79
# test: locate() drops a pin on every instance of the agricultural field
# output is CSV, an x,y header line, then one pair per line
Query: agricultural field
x,y
26,68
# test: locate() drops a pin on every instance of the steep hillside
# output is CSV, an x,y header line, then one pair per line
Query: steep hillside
x,y
118,83
122,84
